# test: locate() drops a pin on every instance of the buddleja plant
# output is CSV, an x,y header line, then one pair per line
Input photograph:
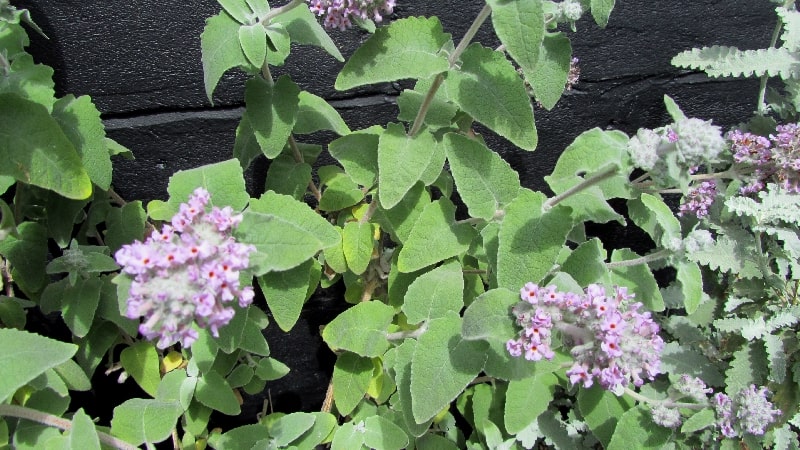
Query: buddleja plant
x,y
503,327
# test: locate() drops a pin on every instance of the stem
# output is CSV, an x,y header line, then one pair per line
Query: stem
x,y
437,82
50,420
328,402
640,260
278,11
585,184
373,206
411,334
762,89
482,379
474,272
668,403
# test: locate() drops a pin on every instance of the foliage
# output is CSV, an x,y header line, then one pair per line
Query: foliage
x,y
497,325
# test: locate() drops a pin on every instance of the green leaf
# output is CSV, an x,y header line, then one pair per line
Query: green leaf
x,y
34,149
400,220
435,237
530,240
601,410
488,88
125,225
748,366
176,386
351,376
358,154
442,366
238,9
340,192
253,39
382,434
304,29
699,420
485,182
28,256
79,303
269,369
140,421
724,61
552,69
361,329
244,331
408,48
526,399
593,152
221,51
142,363
296,233
435,293
586,264
440,113
652,215
601,10
357,245
315,114
520,27
83,435
324,424
290,427
80,122
31,81
279,43
402,368
25,356
347,437
286,292
691,281
636,429
678,360
245,147
223,180
790,34
214,391
271,112
286,176
639,279
243,437
402,160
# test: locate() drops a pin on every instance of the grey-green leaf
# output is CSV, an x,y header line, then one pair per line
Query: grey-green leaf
x,y
25,356
435,293
221,50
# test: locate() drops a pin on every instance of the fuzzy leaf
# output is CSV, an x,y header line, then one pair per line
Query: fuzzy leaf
x,y
652,215
733,251
435,293
526,399
402,161
140,421
287,291
381,433
520,27
775,205
749,366
141,362
601,410
214,391
80,122
601,11
271,112
552,69
408,48
287,176
678,360
723,61
83,435
357,246
639,279
636,429
586,264
400,220
253,39
315,114
488,88
791,28
25,356
351,375
361,329
402,368
358,154
776,356
304,28
221,50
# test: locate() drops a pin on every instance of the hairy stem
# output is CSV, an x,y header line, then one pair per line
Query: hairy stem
x,y
452,59
373,206
761,108
50,420
411,334
585,184
661,254
666,402
278,11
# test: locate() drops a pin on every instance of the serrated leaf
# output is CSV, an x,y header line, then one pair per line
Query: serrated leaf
x,y
361,329
442,366
295,234
733,251
601,410
351,375
774,206
139,421
485,182
286,291
304,29
141,362
552,69
488,88
748,366
601,10
34,149
526,399
214,391
358,154
678,360
315,114
435,293
83,435
223,180
26,356
80,121
435,237
357,245
381,433
639,279
402,161
408,48
271,112
791,28
529,240
636,429
253,40
724,61
221,51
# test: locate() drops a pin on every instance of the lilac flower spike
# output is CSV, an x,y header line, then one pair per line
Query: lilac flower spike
x,y
749,412
339,13
612,343
186,273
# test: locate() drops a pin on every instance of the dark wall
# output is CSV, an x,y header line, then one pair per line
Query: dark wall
x,y
140,62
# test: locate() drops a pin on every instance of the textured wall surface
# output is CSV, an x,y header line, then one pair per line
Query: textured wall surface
x,y
140,62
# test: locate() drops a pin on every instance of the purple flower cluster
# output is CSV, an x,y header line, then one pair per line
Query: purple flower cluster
x,y
611,341
748,412
776,159
339,13
186,273
699,199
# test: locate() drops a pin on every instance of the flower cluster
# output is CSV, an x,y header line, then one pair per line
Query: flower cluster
x,y
186,273
748,412
776,159
611,341
340,13
699,199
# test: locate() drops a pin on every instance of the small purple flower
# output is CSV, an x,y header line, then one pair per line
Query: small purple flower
x,y
699,199
340,13
776,159
186,273
748,412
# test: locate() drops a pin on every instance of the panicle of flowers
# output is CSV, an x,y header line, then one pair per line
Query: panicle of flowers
x,y
612,343
699,199
574,74
748,412
776,159
186,273
340,13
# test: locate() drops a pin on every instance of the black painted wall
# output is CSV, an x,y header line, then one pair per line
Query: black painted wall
x,y
140,62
